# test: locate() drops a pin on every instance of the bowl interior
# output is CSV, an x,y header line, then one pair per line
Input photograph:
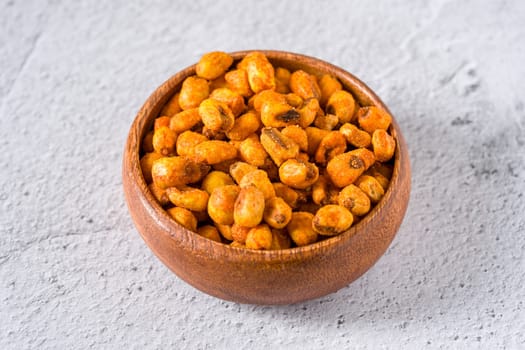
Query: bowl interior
x,y
363,95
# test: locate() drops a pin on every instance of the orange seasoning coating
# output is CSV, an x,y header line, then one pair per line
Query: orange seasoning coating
x,y
261,74
257,156
213,64
194,90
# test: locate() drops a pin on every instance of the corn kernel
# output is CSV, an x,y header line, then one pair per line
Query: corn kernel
x,y
249,207
213,64
304,85
300,228
193,91
383,144
373,118
332,220
259,237
209,232
184,217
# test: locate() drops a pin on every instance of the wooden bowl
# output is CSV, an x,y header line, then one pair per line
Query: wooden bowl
x,y
265,277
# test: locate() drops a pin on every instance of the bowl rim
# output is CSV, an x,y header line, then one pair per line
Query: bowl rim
x,y
205,246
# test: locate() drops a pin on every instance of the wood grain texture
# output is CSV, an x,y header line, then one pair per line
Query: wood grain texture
x,y
265,277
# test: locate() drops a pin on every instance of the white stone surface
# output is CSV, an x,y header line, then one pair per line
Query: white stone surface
x,y
74,273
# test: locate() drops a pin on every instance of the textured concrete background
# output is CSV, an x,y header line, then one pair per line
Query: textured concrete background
x,y
74,273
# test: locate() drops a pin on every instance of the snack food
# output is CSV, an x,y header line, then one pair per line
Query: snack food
x,y
261,153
